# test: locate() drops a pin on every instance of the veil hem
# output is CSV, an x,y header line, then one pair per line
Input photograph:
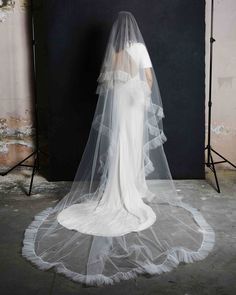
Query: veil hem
x,y
174,257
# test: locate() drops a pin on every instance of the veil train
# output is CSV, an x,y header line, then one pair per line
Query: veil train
x,y
122,216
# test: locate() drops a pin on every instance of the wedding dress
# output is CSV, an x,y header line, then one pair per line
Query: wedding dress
x,y
122,216
125,211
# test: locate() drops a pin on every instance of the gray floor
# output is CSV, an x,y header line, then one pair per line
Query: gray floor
x,y
214,275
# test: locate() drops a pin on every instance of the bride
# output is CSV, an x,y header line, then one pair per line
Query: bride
x,y
122,216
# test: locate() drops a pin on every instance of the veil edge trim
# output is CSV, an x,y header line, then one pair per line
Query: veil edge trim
x,y
174,257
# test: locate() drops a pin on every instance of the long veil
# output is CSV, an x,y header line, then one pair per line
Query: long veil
x,y
122,216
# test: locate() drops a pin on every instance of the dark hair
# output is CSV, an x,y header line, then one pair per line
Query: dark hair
x,y
119,44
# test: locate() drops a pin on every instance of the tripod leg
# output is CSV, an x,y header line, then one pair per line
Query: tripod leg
x,y
214,171
18,164
208,163
33,172
223,158
37,161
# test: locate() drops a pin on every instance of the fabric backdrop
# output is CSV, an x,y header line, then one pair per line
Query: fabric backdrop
x,y
71,38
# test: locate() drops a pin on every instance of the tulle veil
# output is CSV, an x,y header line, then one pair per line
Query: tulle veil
x,y
122,216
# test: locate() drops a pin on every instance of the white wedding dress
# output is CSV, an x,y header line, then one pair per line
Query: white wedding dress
x,y
121,208
122,216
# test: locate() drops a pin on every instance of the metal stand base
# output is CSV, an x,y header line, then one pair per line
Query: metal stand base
x,y
35,167
211,163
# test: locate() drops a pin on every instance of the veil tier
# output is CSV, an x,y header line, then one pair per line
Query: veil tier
x,y
122,216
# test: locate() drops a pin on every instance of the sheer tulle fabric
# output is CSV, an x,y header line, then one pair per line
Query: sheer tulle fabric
x,y
122,216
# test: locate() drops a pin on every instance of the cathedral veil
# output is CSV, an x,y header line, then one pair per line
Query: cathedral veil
x,y
122,216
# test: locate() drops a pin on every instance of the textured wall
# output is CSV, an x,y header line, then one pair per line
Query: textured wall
x,y
15,79
224,78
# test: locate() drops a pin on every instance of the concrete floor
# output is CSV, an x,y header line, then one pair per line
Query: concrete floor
x,y
214,275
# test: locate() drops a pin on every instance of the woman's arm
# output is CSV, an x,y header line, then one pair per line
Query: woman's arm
x,y
149,77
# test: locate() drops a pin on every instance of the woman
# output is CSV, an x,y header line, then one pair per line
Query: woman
x,y
122,216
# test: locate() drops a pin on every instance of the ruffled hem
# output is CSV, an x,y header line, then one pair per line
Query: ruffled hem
x,y
152,144
114,75
108,79
174,255
153,130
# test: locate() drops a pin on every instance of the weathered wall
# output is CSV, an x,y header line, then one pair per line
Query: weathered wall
x,y
224,78
15,91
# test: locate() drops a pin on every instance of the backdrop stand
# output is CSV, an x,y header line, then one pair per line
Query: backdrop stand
x,y
35,167
210,163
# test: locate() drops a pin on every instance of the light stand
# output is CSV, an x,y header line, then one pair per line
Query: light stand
x,y
37,150
210,163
